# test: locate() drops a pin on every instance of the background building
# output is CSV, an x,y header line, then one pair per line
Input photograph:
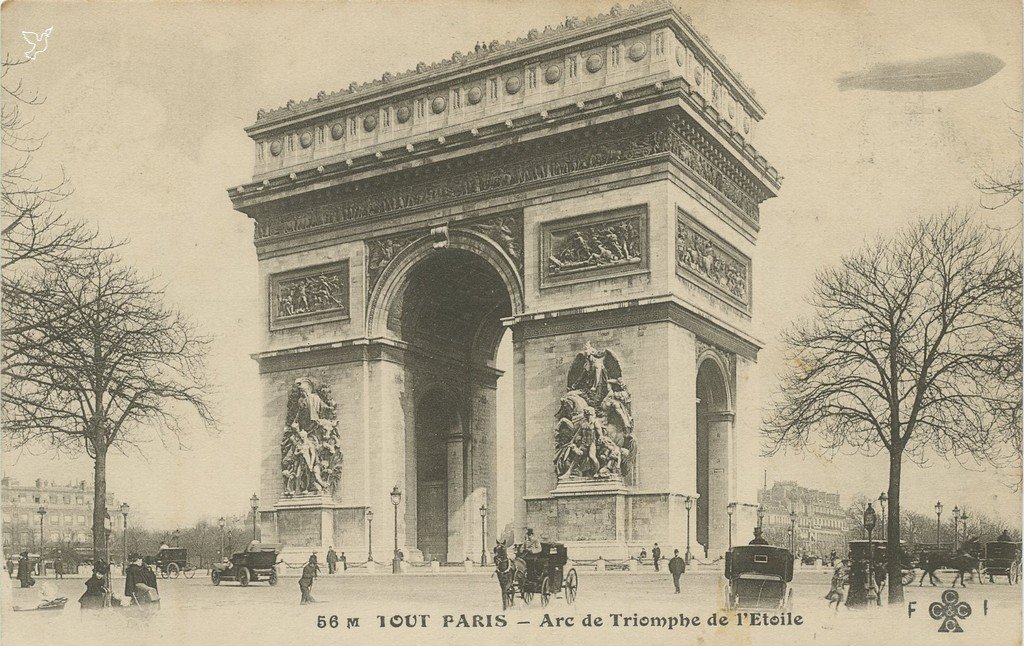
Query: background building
x,y
820,519
68,518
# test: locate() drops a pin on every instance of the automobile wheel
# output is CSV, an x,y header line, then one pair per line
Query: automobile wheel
x,y
571,585
243,576
173,571
545,591
273,577
215,577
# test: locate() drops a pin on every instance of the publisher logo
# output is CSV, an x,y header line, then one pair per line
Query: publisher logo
x,y
949,612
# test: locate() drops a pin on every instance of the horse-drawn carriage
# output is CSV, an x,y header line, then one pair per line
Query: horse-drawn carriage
x,y
1003,558
545,578
759,577
258,560
171,561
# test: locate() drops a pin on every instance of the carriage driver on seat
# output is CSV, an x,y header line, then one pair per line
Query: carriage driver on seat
x,y
531,553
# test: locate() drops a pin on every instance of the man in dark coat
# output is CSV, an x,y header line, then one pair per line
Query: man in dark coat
x,y
758,537
309,572
58,567
25,571
676,565
137,573
656,555
344,562
332,560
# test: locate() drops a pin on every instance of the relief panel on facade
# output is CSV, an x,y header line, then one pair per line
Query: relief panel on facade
x,y
506,231
710,262
306,296
381,251
594,246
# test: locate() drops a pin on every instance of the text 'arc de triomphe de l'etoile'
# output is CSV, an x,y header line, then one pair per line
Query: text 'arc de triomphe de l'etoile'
x,y
592,188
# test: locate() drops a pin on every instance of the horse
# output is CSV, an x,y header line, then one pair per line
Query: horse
x,y
965,560
510,572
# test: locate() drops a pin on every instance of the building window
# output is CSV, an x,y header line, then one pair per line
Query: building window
x,y
24,538
80,500
67,519
616,55
55,536
572,66
531,77
494,88
421,107
36,499
81,519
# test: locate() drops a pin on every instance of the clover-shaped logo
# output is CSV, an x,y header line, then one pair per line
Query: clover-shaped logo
x,y
949,611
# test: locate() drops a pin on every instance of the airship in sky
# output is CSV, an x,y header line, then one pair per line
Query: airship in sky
x,y
934,74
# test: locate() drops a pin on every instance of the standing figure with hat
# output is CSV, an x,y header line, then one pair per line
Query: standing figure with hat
x,y
25,571
309,572
531,553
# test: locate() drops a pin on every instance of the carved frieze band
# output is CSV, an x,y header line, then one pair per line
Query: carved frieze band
x,y
706,259
594,246
675,136
311,295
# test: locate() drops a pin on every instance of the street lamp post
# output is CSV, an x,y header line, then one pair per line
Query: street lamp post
x,y
938,521
956,526
963,519
483,534
174,537
396,498
42,512
254,502
222,523
731,509
124,532
882,499
792,531
369,544
106,537
689,505
869,524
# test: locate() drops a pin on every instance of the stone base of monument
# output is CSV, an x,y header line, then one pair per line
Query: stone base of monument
x,y
304,524
605,519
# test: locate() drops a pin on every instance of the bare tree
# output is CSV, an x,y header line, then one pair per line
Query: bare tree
x,y
1003,187
114,368
905,354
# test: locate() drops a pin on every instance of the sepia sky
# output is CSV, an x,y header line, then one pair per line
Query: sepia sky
x,y
145,105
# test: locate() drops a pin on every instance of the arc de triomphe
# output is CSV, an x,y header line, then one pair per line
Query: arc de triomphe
x,y
592,188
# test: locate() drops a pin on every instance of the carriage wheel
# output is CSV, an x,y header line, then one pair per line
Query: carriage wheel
x,y
273,577
545,591
243,576
173,570
215,577
908,577
189,572
571,585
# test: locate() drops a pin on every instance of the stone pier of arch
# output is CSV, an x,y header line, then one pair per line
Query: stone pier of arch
x,y
403,229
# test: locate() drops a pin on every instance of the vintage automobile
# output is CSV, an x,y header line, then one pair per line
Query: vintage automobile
x,y
1003,558
256,563
759,577
171,561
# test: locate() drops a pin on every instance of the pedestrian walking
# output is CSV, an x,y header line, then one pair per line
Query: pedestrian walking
x,y
11,565
839,579
309,572
344,562
656,555
25,571
676,565
58,567
332,560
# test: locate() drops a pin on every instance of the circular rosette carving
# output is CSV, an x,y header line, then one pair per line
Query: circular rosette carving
x,y
337,131
475,95
553,74
637,51
276,147
513,84
369,123
306,139
594,63
438,104
403,114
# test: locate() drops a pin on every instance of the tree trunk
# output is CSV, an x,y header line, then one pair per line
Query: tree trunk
x,y
99,504
892,528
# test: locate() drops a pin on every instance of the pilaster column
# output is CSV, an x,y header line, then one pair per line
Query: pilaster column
x,y
456,498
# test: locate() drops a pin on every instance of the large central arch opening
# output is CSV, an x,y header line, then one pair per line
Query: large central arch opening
x,y
449,316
